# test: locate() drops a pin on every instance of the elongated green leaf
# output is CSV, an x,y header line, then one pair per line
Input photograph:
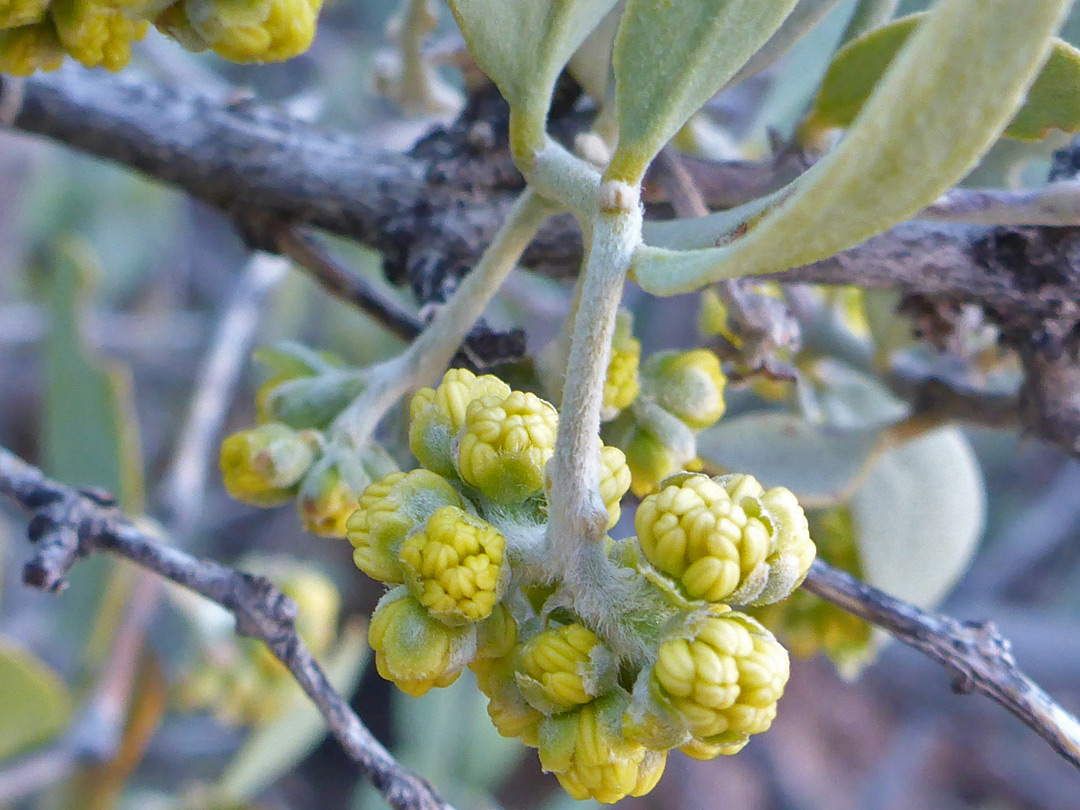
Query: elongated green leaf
x,y
34,703
89,431
943,101
275,748
671,56
1053,102
524,44
919,516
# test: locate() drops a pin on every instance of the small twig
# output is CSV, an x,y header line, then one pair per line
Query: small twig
x,y
183,486
67,524
1056,204
974,653
347,285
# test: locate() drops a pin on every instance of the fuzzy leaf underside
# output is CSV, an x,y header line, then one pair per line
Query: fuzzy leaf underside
x,y
944,100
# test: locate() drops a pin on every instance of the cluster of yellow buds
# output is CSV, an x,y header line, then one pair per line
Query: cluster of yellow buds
x,y
654,412
37,34
290,457
240,680
460,542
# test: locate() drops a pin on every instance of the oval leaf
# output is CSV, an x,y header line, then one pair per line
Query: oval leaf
x,y
671,56
1053,102
34,703
919,516
942,103
524,44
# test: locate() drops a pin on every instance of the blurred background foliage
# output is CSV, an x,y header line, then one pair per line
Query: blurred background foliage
x,y
110,287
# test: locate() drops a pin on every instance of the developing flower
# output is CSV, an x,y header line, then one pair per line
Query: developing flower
x,y
721,678
29,48
414,650
615,478
689,385
505,444
454,566
720,542
622,384
592,759
387,512
436,415
16,13
95,34
331,490
563,667
254,30
511,715
263,466
497,634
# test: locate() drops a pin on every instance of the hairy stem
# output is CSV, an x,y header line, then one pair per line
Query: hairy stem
x,y
432,351
577,514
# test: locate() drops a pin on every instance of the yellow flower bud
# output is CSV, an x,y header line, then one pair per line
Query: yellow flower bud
x,y
496,635
693,531
387,512
263,466
721,541
95,34
721,677
505,444
563,667
649,461
689,385
795,551
658,445
318,608
696,749
330,492
511,715
29,48
622,384
592,759
255,30
455,566
319,605
16,13
414,650
436,415
615,478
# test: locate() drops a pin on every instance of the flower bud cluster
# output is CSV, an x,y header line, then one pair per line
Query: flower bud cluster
x,y
288,457
653,410
460,543
437,534
240,680
37,34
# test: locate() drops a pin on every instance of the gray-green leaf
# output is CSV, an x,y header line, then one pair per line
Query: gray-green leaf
x,y
524,44
942,103
671,56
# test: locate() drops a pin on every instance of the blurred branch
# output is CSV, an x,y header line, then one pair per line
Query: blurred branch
x,y
349,286
96,735
974,653
67,525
